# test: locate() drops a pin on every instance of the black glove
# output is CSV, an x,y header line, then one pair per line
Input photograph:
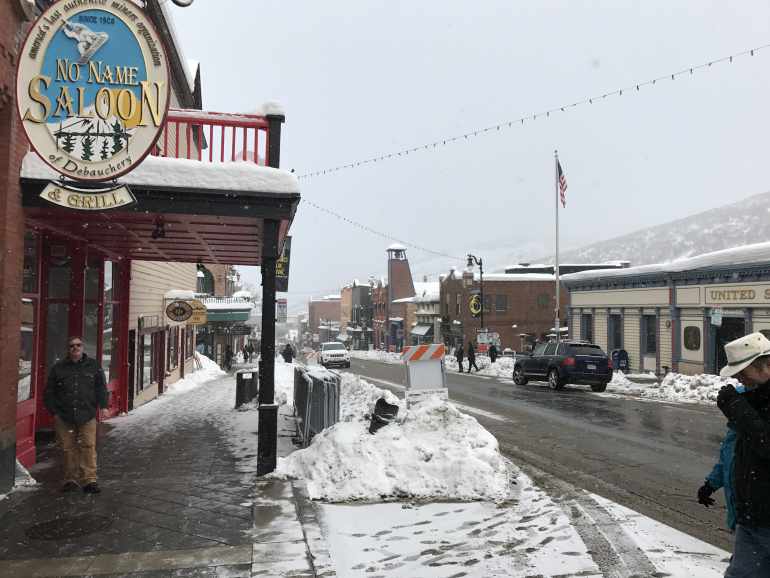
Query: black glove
x,y
727,395
704,495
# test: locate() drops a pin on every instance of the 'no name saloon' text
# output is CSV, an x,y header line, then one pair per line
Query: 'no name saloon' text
x,y
93,87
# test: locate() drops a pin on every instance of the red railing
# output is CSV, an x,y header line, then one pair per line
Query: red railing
x,y
214,137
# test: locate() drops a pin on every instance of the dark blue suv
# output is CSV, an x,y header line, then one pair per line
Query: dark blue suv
x,y
566,362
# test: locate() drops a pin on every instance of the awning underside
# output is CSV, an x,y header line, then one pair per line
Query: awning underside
x,y
186,238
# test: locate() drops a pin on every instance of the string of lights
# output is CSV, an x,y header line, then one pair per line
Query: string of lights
x,y
442,142
631,88
378,233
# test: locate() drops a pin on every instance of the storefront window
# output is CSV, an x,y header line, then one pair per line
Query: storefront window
x,y
146,342
59,273
615,331
56,333
172,354
692,338
30,277
26,360
92,280
188,350
587,327
90,328
110,340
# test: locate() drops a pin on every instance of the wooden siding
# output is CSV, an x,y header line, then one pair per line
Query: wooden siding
x,y
664,341
631,339
600,329
150,280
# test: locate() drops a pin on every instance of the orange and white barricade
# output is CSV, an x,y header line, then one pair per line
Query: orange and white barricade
x,y
425,372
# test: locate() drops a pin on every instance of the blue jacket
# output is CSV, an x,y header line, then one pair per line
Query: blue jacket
x,y
722,474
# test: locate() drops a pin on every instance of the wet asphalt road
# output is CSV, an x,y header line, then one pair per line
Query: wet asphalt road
x,y
648,456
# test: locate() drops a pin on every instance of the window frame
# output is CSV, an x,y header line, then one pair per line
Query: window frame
x,y
501,299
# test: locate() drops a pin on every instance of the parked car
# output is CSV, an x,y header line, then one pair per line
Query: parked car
x,y
577,362
334,353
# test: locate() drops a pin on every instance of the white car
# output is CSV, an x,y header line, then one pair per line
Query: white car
x,y
334,353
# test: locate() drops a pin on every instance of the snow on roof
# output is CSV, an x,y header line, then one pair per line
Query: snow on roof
x,y
229,304
396,247
396,318
179,294
188,174
515,277
426,291
242,294
270,107
736,256
191,71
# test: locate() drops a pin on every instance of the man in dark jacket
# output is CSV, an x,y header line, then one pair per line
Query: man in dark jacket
x,y
492,353
472,357
76,388
749,361
459,355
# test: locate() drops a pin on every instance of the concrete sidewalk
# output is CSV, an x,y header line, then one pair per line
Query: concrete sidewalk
x,y
178,499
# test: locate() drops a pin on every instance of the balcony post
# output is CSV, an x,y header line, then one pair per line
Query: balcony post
x,y
274,122
267,434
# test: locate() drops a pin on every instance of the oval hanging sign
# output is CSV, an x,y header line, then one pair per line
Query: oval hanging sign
x,y
474,305
92,87
179,311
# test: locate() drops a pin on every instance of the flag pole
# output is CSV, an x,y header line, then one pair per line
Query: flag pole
x,y
556,263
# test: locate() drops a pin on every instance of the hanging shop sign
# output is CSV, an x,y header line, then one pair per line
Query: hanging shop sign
x,y
87,200
474,305
199,313
179,311
92,87
281,310
282,267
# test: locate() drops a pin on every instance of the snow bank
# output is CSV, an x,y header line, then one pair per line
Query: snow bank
x,y
358,397
675,387
432,451
503,367
209,370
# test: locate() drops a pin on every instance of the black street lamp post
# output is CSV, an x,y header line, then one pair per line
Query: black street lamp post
x,y
472,259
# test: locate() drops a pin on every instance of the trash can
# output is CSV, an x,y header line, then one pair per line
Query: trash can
x,y
383,414
246,386
619,359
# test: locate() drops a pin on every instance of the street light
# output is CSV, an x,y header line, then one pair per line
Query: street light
x,y
472,259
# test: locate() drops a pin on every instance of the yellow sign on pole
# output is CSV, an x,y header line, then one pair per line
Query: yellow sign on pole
x,y
199,313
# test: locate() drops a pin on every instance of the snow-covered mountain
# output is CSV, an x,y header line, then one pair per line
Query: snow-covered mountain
x,y
741,223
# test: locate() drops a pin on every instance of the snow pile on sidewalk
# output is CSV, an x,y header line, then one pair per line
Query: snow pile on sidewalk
x,y
377,355
503,367
431,451
675,387
209,370
357,398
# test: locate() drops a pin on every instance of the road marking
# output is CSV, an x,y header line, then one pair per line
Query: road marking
x,y
458,405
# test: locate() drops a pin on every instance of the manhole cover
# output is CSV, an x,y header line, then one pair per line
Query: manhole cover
x,y
68,527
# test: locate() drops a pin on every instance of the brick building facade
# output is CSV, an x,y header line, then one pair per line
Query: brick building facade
x,y
14,17
526,301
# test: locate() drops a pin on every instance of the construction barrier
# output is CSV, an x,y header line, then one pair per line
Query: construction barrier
x,y
316,400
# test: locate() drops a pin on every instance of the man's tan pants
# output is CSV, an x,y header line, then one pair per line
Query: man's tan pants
x,y
78,443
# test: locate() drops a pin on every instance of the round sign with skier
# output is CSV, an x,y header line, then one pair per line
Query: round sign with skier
x,y
93,88
474,305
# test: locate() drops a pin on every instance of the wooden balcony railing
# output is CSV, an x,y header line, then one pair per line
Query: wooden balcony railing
x,y
214,137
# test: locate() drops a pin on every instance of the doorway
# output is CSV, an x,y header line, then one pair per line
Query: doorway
x,y
732,328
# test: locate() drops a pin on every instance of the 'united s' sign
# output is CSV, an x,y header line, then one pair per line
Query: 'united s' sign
x,y
93,87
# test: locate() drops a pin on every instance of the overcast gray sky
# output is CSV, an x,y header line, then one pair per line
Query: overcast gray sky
x,y
362,78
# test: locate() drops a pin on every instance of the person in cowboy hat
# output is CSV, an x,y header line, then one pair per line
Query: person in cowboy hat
x,y
748,360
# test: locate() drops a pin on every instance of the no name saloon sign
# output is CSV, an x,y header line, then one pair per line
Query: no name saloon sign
x,y
92,87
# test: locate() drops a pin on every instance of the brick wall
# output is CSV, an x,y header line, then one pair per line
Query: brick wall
x,y
327,309
528,304
346,306
13,146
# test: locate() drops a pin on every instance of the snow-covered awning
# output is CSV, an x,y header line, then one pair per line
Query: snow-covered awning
x,y
171,173
422,330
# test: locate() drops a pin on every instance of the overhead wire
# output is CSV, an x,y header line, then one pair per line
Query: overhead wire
x,y
520,121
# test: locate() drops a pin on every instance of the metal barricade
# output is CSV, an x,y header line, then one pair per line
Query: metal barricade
x,y
316,401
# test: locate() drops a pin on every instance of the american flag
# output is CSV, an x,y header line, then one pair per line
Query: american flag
x,y
562,185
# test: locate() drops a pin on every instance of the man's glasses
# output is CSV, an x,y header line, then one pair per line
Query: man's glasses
x,y
75,345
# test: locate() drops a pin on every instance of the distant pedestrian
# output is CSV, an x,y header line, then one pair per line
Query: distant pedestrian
x,y
492,353
76,388
472,357
721,476
459,356
287,353
245,353
228,358
251,351
748,360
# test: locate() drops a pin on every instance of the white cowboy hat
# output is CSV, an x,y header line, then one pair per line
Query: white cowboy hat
x,y
741,352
